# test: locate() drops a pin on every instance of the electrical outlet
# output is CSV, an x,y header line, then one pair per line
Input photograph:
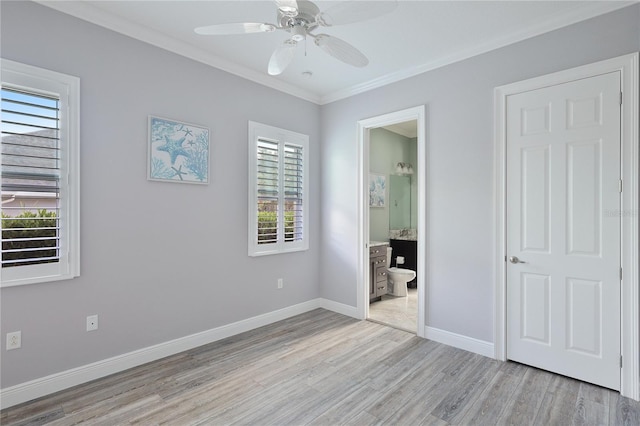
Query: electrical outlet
x,y
92,322
14,340
280,283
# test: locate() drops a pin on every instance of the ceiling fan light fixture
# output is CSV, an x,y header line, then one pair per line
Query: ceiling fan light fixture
x,y
289,11
298,33
268,28
288,7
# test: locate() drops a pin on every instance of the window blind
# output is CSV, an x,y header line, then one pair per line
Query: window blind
x,y
293,184
279,186
268,187
30,178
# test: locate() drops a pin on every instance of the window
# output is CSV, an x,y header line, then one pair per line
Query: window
x,y
278,190
40,175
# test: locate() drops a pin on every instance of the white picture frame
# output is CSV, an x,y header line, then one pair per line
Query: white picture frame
x,y
178,151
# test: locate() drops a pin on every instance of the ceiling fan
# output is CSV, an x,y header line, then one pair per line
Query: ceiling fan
x,y
301,18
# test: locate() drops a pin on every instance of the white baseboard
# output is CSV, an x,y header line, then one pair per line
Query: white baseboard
x,y
56,382
37,388
459,341
340,308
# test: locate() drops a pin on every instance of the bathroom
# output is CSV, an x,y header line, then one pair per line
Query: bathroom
x,y
393,191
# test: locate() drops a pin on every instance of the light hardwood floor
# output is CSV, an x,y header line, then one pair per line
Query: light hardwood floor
x,y
322,368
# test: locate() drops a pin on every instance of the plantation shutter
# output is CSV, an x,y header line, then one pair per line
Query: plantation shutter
x,y
279,186
30,178
268,185
278,190
293,195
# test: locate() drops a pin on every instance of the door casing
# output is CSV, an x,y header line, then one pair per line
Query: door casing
x,y
629,304
410,114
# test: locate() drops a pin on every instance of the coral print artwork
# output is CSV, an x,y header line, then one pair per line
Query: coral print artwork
x,y
178,152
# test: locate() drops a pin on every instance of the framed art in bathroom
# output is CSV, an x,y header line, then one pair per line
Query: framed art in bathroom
x,y
178,151
377,190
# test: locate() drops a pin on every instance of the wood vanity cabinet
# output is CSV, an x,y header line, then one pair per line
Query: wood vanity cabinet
x,y
377,272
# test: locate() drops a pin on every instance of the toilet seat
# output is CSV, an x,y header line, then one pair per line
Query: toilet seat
x,y
402,271
398,278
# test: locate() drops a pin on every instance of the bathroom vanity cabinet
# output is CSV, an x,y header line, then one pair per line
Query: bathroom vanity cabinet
x,y
409,250
377,272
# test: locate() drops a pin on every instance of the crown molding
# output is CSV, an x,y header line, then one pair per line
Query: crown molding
x,y
564,20
87,12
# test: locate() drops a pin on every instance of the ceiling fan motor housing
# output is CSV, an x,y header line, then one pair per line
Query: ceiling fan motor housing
x,y
300,18
303,22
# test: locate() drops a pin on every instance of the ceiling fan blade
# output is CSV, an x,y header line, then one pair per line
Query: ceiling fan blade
x,y
235,28
341,50
355,11
288,7
281,57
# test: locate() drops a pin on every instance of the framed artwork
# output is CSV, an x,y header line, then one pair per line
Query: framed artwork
x,y
178,151
377,190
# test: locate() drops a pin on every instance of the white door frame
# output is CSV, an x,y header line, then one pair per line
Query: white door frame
x,y
410,114
629,304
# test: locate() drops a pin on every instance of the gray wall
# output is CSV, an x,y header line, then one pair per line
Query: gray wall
x,y
159,260
386,149
176,263
459,162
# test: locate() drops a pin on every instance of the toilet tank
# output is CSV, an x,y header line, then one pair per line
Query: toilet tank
x,y
409,250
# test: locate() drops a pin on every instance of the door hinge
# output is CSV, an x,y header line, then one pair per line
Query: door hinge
x,y
621,273
620,361
620,98
620,185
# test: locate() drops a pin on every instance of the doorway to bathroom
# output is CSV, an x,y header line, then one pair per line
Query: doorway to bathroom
x,y
392,225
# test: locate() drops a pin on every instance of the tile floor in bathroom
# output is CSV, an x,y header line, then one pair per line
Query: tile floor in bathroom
x,y
398,312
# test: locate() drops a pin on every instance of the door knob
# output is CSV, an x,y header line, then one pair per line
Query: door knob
x,y
514,259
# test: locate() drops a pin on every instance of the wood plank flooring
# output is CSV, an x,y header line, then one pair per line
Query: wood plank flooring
x,y
322,368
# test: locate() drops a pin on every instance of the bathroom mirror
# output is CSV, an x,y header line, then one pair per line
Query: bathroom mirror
x,y
399,202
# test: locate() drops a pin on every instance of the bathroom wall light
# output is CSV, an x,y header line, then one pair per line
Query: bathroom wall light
x,y
404,168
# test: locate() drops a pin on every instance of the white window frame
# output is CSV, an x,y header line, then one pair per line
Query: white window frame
x,y
67,88
258,131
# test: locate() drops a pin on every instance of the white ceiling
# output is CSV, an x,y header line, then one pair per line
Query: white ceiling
x,y
416,37
408,129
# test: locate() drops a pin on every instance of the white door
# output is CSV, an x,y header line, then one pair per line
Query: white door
x,y
563,236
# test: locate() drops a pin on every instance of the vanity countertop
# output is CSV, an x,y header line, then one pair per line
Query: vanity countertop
x,y
406,239
410,234
378,243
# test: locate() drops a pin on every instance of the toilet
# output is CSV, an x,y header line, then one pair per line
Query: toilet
x,y
397,278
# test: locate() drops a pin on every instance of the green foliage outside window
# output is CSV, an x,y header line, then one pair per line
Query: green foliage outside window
x,y
268,223
30,230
